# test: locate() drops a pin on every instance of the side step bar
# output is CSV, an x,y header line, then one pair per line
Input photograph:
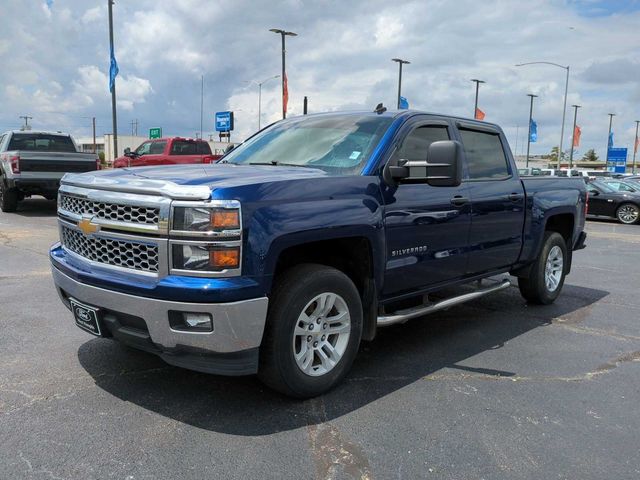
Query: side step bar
x,y
402,316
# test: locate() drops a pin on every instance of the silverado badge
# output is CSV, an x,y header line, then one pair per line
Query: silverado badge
x,y
87,226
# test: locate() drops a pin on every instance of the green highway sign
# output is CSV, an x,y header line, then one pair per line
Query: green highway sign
x,y
155,132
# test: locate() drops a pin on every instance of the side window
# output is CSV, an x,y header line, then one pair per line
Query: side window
x,y
143,149
417,143
183,148
485,155
2,137
157,148
204,148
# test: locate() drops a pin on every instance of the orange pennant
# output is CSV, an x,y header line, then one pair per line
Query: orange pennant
x,y
576,136
479,114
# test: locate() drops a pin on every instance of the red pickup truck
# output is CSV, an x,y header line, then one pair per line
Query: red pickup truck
x,y
167,151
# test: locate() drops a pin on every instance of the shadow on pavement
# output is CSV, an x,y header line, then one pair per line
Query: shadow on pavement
x,y
399,356
36,207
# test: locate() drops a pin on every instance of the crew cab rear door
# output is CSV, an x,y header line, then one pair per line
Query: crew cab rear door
x,y
184,151
426,227
497,198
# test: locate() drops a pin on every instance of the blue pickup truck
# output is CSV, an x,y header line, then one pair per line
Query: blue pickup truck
x,y
305,239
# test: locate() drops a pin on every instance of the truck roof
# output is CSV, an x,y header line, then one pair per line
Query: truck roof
x,y
406,114
45,132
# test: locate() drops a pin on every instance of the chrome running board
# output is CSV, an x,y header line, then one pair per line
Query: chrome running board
x,y
402,316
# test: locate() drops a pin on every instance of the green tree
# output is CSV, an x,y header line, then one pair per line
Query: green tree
x,y
590,156
553,156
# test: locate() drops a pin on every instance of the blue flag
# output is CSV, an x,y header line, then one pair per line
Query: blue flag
x,y
611,140
113,71
533,138
404,103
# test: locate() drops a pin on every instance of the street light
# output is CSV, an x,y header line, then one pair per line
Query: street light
x,y
260,96
564,107
573,137
530,117
475,109
283,33
400,62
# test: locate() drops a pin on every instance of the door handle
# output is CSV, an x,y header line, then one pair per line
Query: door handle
x,y
459,200
514,197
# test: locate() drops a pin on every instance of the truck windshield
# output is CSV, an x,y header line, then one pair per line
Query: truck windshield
x,y
339,144
41,142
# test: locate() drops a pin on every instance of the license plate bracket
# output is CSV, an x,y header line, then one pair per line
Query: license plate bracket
x,y
86,317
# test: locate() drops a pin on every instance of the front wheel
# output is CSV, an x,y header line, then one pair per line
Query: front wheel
x,y
546,278
313,331
628,213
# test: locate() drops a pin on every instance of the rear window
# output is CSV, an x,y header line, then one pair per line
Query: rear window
x,y
485,155
41,142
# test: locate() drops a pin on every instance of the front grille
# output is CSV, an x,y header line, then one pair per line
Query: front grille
x,y
110,211
27,165
119,253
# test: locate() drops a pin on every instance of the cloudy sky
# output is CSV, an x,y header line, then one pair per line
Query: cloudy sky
x,y
54,56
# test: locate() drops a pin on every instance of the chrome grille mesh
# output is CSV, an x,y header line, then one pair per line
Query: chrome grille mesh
x,y
137,256
110,211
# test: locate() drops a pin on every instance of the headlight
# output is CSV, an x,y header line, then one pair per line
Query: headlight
x,y
205,220
205,257
205,239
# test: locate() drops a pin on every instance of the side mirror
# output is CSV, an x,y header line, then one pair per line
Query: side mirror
x,y
127,152
443,167
595,193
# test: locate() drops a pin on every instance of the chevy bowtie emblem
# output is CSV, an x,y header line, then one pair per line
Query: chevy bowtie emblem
x,y
87,226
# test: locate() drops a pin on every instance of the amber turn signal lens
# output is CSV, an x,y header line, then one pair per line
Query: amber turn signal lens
x,y
227,258
227,219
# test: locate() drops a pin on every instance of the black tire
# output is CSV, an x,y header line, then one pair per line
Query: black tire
x,y
534,288
295,289
8,198
632,216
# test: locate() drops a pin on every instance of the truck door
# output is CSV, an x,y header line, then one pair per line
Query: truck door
x,y
427,227
184,151
497,199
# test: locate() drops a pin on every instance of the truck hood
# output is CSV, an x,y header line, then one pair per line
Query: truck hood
x,y
188,181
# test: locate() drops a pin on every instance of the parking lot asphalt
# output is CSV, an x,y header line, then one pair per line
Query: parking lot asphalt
x,y
490,389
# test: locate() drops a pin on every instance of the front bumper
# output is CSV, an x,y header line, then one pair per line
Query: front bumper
x,y
142,322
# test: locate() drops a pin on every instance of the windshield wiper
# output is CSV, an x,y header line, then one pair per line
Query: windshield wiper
x,y
278,164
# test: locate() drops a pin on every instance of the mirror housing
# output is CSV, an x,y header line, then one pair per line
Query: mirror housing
x,y
443,167
128,153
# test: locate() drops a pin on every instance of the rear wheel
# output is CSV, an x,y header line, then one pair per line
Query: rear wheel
x,y
547,274
8,198
313,331
628,213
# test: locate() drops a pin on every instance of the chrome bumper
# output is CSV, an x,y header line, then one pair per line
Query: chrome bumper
x,y
237,326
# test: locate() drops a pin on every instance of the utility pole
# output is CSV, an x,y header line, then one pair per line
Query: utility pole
x,y
93,121
517,135
134,128
304,105
530,118
260,98
611,115
635,147
201,102
573,137
26,125
475,108
113,90
400,63
284,33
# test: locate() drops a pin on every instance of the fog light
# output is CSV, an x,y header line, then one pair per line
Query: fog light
x,y
191,321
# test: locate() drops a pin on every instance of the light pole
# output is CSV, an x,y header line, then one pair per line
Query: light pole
x,y
564,107
573,137
260,96
635,147
284,33
611,115
529,136
400,63
475,109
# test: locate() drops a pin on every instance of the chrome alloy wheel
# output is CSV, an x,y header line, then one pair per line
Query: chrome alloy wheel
x,y
628,213
322,334
553,269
